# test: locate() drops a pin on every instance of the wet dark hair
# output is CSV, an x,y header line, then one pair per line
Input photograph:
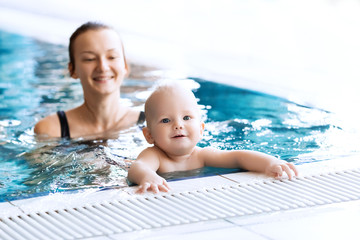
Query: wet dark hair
x,y
82,29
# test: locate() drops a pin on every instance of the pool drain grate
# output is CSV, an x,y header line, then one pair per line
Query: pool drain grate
x,y
147,212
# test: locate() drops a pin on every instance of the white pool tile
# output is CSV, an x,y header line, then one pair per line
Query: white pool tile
x,y
224,233
184,231
191,184
316,227
99,238
245,177
199,183
232,232
337,221
7,209
68,200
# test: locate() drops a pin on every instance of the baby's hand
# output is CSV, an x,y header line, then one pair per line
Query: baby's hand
x,y
276,169
156,184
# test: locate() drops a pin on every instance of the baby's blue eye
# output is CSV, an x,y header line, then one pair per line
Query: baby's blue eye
x,y
165,120
187,118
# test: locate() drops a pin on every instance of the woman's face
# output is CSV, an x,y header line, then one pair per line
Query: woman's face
x,y
99,61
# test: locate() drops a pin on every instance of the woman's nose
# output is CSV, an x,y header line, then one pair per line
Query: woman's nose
x,y
103,65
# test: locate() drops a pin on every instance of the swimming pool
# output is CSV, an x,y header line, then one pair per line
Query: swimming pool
x,y
34,83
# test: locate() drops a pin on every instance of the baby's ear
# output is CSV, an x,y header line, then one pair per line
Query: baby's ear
x,y
147,135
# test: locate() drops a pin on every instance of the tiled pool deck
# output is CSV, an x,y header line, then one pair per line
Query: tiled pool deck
x,y
329,221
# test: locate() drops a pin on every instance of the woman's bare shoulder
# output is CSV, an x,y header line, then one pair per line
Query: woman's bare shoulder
x,y
130,118
134,114
49,126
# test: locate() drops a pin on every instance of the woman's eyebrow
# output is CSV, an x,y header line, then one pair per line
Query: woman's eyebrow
x,y
116,50
91,52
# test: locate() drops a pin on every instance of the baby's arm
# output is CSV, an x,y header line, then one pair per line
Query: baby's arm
x,y
249,160
143,173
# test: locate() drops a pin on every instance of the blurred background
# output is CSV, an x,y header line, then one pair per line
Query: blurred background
x,y
305,51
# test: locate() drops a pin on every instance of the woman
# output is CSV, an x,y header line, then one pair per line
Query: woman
x,y
97,58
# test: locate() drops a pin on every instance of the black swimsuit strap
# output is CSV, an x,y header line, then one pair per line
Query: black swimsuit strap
x,y
65,131
141,119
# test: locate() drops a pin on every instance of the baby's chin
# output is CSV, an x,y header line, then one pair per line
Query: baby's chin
x,y
180,151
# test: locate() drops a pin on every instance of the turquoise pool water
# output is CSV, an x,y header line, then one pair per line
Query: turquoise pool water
x,y
34,83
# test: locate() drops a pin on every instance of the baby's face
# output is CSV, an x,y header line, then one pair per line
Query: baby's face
x,y
174,121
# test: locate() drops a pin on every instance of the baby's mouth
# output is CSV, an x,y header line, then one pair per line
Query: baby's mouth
x,y
179,136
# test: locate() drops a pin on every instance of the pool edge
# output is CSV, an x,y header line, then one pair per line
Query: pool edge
x,y
63,200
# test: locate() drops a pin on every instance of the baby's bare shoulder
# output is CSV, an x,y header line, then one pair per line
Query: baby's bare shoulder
x,y
207,150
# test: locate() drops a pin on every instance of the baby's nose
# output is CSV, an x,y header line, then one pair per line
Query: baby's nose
x,y
178,125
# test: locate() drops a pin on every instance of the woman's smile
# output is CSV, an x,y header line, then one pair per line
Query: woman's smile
x,y
103,78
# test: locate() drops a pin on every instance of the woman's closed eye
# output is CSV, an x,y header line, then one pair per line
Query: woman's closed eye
x,y
88,59
113,57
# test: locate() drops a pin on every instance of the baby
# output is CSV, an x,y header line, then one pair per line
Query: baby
x,y
174,127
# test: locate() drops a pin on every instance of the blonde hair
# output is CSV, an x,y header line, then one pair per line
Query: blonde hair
x,y
167,86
